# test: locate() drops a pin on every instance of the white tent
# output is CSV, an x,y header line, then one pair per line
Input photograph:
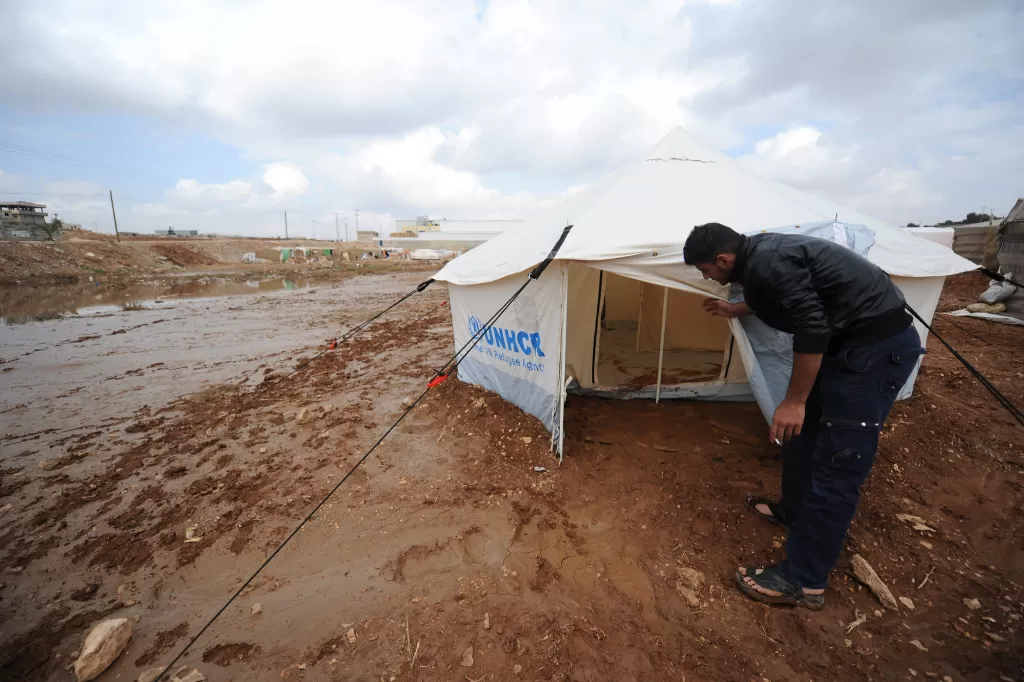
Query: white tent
x,y
618,313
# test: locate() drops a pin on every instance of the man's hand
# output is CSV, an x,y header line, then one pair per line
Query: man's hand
x,y
788,420
720,308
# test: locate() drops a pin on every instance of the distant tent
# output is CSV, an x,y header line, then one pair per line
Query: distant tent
x,y
618,313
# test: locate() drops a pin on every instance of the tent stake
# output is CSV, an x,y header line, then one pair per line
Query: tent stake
x,y
661,347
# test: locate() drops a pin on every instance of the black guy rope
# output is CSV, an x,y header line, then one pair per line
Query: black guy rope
x,y
358,328
439,378
1002,399
999,277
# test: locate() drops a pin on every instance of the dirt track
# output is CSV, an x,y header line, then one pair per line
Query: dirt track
x,y
447,527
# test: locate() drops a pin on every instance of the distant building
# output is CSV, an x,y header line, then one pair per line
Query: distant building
x,y
25,220
171,232
442,229
367,235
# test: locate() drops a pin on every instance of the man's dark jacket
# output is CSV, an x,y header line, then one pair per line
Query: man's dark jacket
x,y
826,295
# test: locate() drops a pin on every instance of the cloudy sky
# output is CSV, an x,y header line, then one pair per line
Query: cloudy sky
x,y
219,116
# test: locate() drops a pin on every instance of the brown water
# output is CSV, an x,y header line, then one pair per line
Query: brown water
x,y
19,304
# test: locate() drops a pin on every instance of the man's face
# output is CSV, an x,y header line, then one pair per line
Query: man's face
x,y
718,270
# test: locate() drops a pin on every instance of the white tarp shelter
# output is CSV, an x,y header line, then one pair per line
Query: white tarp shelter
x,y
618,313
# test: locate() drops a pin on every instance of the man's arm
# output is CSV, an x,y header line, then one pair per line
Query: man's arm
x,y
789,415
802,307
720,308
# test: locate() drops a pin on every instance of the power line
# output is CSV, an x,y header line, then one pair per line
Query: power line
x,y
72,161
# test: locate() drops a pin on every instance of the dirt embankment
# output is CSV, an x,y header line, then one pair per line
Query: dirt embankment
x,y
81,254
447,556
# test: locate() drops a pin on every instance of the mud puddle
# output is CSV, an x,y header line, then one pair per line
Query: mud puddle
x,y
21,304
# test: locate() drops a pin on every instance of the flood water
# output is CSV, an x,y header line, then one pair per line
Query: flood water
x,y
20,304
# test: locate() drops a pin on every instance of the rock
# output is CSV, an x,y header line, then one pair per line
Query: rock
x,y
4,509
916,522
487,621
863,572
516,669
303,416
407,402
103,644
926,544
526,439
49,464
947,678
192,676
996,308
687,594
257,609
151,674
908,602
190,534
351,634
995,638
467,658
917,645
263,451
690,577
972,603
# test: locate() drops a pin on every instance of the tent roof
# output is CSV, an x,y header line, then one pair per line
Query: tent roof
x,y
652,204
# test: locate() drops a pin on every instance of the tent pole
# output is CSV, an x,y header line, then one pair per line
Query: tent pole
x,y
661,346
562,382
639,317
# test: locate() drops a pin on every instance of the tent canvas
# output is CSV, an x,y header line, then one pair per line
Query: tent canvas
x,y
618,312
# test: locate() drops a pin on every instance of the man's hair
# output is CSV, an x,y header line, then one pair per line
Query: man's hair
x,y
707,241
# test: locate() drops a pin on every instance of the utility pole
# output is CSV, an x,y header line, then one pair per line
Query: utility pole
x,y
114,213
357,225
286,224
347,237
314,230
337,233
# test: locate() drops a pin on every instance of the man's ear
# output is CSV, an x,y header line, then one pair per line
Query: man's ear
x,y
724,260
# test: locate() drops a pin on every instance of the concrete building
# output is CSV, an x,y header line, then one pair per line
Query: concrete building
x,y
25,220
171,232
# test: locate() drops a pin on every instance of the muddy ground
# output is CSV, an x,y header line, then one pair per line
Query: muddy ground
x,y
446,539
85,256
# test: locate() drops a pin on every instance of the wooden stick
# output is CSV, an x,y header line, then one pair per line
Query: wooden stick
x,y
926,578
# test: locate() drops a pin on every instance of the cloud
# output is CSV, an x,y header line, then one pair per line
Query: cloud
x,y
192,192
8,182
906,110
286,179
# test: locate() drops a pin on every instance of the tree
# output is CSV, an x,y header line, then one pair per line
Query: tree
x,y
53,228
913,225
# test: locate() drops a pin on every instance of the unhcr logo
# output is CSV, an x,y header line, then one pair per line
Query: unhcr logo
x,y
512,340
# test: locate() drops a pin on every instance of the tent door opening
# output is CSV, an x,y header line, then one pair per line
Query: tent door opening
x,y
647,338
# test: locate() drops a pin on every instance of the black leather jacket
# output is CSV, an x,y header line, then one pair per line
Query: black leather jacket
x,y
825,294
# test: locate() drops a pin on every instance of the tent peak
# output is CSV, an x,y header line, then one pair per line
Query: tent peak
x,y
679,145
679,158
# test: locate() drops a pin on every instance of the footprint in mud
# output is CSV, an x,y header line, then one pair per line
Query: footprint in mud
x,y
466,548
228,654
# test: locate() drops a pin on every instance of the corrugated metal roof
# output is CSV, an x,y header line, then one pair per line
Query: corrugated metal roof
x,y
1016,213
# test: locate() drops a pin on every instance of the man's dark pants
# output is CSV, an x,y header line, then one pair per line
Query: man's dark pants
x,y
824,467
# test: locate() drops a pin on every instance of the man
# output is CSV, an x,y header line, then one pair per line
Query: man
x,y
854,347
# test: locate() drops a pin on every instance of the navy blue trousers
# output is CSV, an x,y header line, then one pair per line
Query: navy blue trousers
x,y
824,467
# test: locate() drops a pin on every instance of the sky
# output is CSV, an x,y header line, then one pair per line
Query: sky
x,y
221,115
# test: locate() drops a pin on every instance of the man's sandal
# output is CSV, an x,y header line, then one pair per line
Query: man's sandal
x,y
775,508
771,578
